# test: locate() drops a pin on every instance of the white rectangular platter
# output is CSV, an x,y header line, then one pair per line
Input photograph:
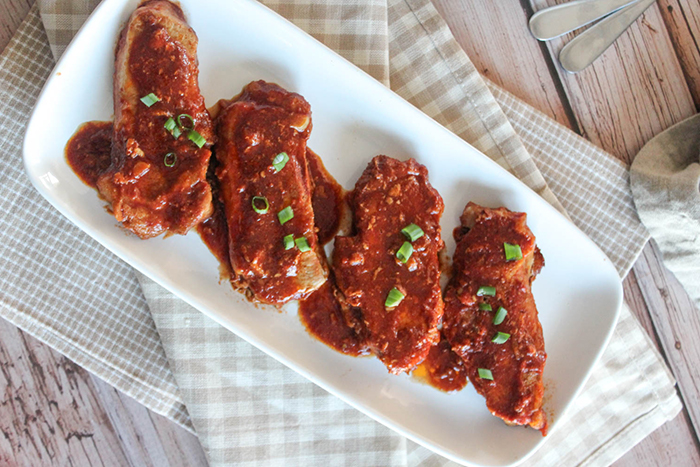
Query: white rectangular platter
x,y
578,292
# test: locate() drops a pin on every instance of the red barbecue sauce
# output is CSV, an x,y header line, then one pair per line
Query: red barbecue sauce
x,y
88,152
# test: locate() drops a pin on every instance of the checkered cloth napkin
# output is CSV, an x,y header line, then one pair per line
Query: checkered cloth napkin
x,y
62,287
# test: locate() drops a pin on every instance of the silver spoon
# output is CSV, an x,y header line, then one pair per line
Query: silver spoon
x,y
557,20
589,45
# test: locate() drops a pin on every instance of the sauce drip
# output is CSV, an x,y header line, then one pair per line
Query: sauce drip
x,y
322,315
214,233
443,369
88,152
326,200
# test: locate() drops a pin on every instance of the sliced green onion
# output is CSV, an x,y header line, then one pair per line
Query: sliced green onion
x,y
196,138
280,161
486,290
394,298
150,99
499,316
500,338
302,244
176,132
188,117
405,252
485,374
254,203
285,215
170,159
485,307
170,124
412,232
289,242
513,252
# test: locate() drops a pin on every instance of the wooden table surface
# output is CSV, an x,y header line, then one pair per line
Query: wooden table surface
x,y
55,413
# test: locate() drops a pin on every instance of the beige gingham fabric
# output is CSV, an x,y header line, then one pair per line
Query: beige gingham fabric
x,y
64,288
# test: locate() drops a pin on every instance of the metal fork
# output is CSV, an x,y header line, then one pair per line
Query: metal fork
x,y
555,21
587,47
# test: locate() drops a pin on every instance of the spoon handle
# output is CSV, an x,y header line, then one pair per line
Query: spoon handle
x,y
557,20
589,45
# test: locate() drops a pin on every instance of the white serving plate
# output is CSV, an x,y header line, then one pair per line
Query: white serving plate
x,y
355,118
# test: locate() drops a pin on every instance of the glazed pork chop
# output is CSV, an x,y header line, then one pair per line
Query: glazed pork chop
x,y
490,314
266,193
388,272
156,182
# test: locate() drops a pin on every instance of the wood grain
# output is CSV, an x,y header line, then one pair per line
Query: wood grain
x,y
519,64
635,90
53,412
677,324
670,445
13,12
682,19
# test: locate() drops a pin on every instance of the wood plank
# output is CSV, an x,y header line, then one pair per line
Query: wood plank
x,y
495,36
677,323
148,439
682,19
53,412
670,445
635,90
13,12
50,412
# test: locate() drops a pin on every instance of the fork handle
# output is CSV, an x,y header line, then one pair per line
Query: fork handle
x,y
589,45
557,20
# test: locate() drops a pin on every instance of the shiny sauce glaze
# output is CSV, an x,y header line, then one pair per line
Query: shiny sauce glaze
x,y
321,312
323,317
327,202
213,230
326,199
156,181
265,123
442,369
88,151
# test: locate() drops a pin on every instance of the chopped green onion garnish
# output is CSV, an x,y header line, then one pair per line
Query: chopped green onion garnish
x,y
302,244
499,316
170,159
412,232
394,298
289,242
170,124
405,252
196,138
486,290
176,132
485,374
500,338
285,215
485,307
280,161
256,202
513,252
186,117
150,99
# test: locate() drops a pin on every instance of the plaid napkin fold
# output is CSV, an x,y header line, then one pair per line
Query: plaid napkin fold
x,y
62,287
